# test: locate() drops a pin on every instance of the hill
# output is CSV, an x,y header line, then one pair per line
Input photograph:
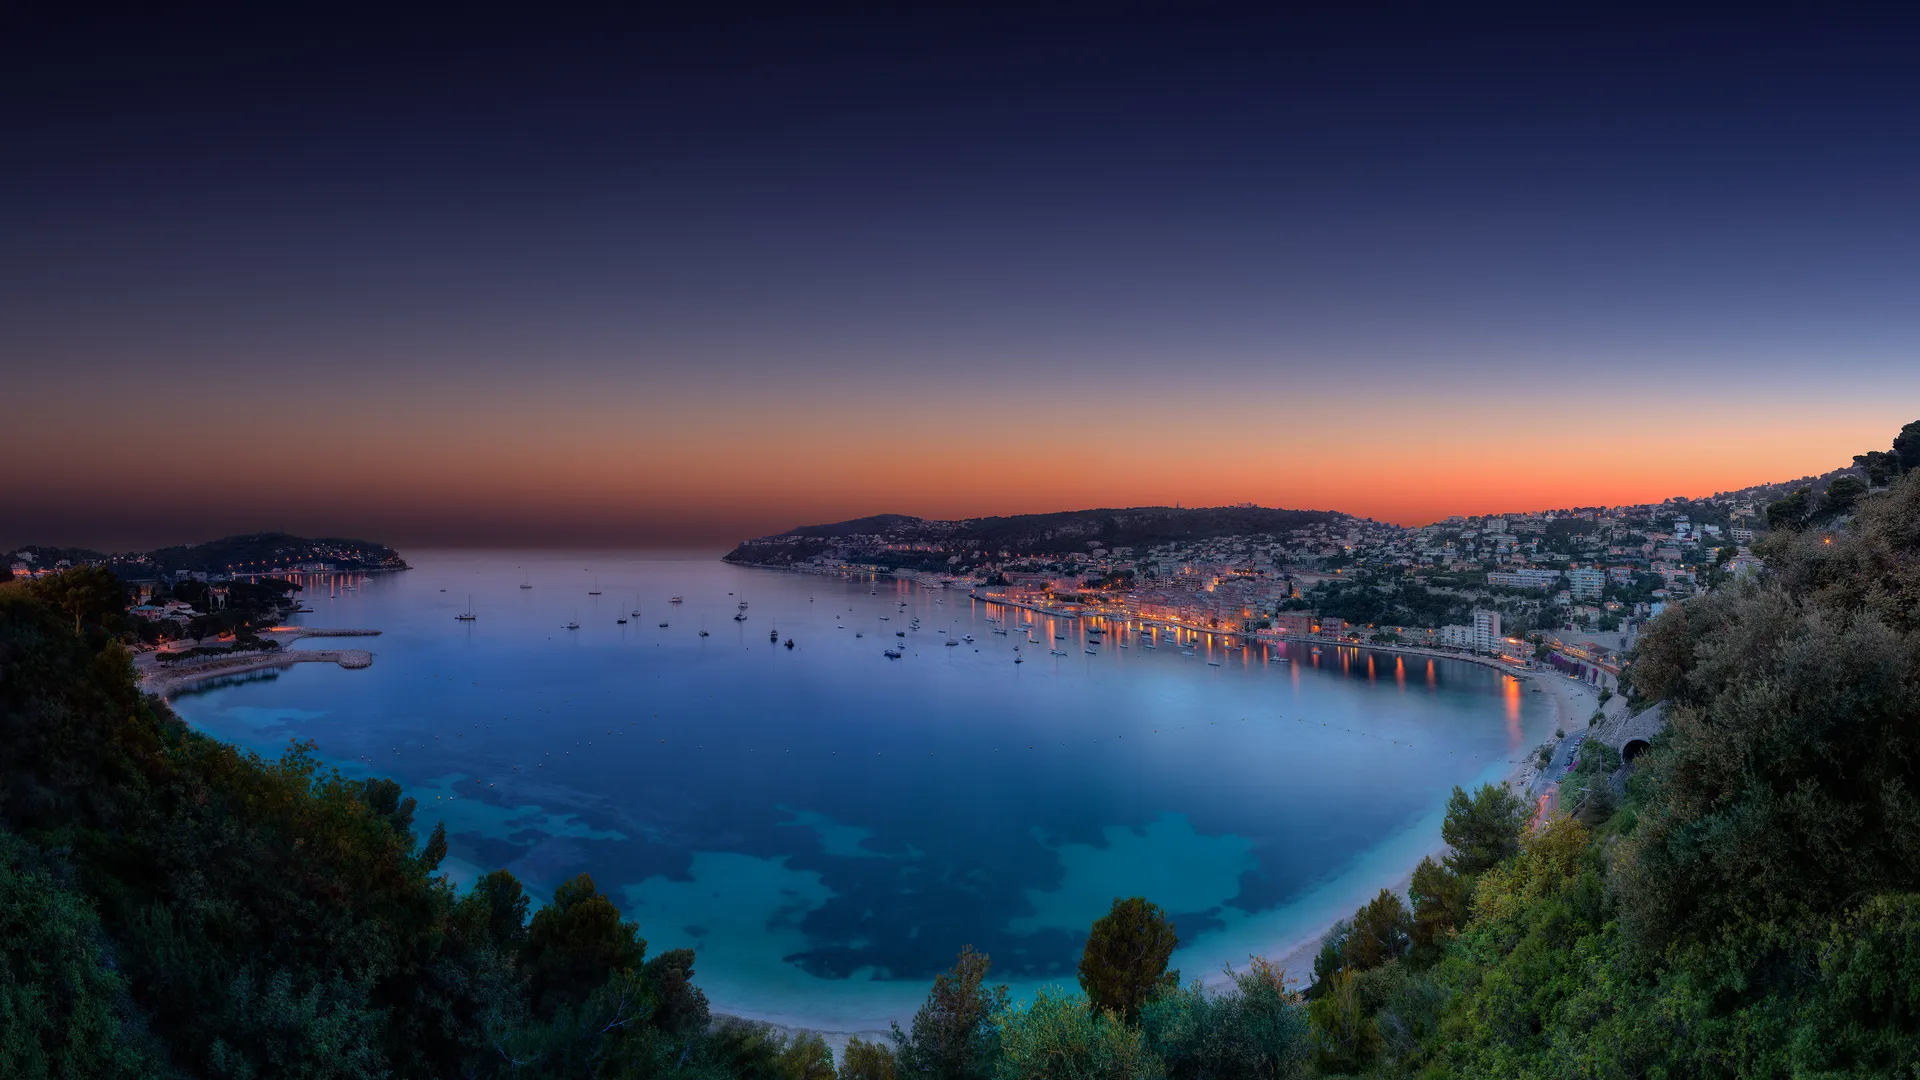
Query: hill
x,y
892,539
259,553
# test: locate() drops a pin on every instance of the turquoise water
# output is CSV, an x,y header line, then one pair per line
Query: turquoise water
x,y
827,827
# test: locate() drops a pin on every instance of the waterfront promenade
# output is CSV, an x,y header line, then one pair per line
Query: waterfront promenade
x,y
164,681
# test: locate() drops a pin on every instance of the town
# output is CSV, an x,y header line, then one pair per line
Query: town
x,y
1569,588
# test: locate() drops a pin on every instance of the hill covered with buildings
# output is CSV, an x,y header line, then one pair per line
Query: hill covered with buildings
x,y
898,541
246,555
1574,583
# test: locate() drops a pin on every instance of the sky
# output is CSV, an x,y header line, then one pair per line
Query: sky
x,y
637,280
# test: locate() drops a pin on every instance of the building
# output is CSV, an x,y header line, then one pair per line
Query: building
x,y
1298,623
1524,578
1586,584
1486,632
1481,636
1332,627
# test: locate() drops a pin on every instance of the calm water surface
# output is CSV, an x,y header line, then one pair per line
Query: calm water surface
x,y
825,826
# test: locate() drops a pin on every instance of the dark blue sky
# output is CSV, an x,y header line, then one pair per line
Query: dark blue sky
x,y
1709,225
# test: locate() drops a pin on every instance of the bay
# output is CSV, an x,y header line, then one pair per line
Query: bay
x,y
826,827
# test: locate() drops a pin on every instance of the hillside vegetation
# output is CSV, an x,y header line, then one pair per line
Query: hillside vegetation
x,y
1751,909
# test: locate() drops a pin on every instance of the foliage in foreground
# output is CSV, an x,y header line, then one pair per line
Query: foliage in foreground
x,y
172,906
1750,908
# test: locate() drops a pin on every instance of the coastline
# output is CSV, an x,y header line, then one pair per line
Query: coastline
x,y
1248,636
1296,956
1392,868
165,682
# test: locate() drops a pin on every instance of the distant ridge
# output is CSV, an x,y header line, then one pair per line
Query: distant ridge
x,y
255,552
1030,534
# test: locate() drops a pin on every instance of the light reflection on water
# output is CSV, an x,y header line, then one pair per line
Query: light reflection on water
x,y
827,827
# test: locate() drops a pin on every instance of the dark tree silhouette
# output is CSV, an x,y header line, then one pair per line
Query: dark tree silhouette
x,y
1126,956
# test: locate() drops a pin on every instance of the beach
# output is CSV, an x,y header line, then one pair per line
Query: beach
x,y
1573,705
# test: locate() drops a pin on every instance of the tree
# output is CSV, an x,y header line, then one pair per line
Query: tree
x,y
89,592
435,852
1483,829
1126,956
1065,1037
1333,953
1439,907
863,1060
385,798
805,1058
1906,447
679,1007
1345,1038
1254,1029
1842,494
1790,512
1598,805
1380,932
575,943
953,1037
1879,466
507,905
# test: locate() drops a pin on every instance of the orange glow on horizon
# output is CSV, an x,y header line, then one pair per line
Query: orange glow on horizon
x,y
445,464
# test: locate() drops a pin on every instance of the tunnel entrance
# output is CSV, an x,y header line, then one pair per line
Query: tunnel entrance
x,y
1633,749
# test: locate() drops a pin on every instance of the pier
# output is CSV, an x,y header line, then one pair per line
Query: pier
x,y
165,681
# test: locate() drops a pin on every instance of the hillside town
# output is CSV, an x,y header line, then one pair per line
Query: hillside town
x,y
246,556
1569,588
224,590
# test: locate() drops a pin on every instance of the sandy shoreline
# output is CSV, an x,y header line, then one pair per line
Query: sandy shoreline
x,y
1572,702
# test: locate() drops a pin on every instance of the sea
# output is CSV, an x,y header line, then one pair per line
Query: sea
x,y
746,774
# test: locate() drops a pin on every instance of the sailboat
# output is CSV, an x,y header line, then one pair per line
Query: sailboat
x,y
467,615
524,582
574,623
595,591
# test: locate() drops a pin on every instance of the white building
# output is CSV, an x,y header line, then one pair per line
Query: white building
x,y
1586,584
1524,579
1482,636
1486,631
